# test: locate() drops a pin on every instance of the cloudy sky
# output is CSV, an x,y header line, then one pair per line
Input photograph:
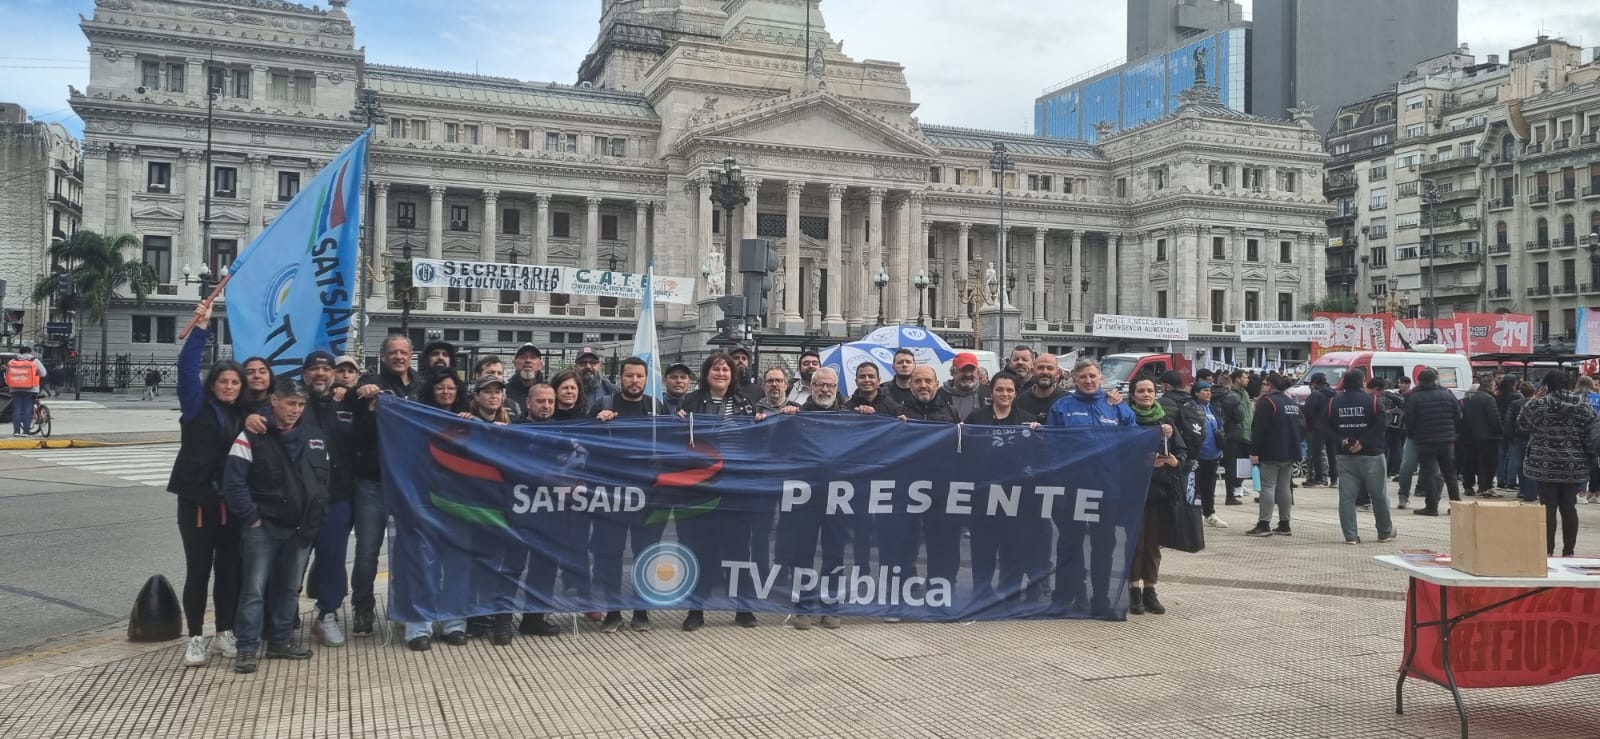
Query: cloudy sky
x,y
977,63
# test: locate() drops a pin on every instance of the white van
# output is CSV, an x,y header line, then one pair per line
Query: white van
x,y
1455,371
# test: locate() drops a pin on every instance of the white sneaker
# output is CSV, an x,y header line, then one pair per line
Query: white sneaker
x,y
327,630
223,644
195,655
1215,522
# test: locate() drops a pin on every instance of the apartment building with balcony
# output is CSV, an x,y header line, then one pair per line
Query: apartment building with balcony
x,y
1494,186
1361,145
41,200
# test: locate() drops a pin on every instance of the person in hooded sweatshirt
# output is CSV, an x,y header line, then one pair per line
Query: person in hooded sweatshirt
x,y
1562,431
275,484
964,392
1088,405
1275,447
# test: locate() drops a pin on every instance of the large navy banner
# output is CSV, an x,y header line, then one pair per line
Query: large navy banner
x,y
825,514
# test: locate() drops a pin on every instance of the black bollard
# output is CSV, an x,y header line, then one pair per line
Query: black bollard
x,y
156,614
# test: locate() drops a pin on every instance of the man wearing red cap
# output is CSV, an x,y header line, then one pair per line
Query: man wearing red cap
x,y
963,391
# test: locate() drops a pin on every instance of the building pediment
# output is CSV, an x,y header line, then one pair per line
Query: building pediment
x,y
817,120
158,211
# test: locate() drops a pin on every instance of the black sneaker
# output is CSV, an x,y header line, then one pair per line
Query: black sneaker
x,y
361,623
1233,500
456,638
694,621
1262,528
420,644
1136,601
640,622
1151,605
1283,529
745,619
612,623
288,651
1426,512
244,662
501,632
479,626
535,624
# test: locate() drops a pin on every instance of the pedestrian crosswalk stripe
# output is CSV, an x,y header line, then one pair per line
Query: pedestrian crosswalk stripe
x,y
146,465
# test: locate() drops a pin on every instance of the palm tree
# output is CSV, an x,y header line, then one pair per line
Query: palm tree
x,y
94,269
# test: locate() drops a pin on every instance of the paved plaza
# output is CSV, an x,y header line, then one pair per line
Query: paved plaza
x,y
1282,637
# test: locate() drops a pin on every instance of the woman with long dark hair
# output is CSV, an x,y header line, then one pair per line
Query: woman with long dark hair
x,y
209,421
721,534
258,379
572,403
1165,482
440,389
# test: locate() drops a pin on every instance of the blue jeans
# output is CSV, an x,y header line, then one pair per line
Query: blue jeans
x,y
371,521
332,542
1408,469
22,410
1516,451
273,558
415,629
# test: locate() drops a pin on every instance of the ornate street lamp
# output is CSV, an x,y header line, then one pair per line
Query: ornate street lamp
x,y
1001,162
727,191
1430,196
882,281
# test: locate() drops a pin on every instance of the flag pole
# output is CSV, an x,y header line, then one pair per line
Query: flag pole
x,y
208,300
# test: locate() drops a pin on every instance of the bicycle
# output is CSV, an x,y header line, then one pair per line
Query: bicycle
x,y
41,415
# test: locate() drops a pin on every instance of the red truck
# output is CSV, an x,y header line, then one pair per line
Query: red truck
x,y
1118,370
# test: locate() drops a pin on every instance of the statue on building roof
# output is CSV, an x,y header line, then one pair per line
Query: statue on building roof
x,y
1200,65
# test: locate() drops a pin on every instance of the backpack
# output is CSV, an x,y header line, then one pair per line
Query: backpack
x,y
22,373
1190,422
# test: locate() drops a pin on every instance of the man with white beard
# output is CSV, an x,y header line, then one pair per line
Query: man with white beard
x,y
802,530
529,363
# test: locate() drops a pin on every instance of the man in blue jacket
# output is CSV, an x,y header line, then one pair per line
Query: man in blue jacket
x,y
1359,421
276,485
1087,405
1323,447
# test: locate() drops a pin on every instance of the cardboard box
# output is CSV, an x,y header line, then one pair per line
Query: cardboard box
x,y
1492,538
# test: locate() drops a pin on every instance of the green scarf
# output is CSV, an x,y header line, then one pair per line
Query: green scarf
x,y
1147,417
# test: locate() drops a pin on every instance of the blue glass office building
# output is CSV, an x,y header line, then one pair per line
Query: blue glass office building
x,y
1134,94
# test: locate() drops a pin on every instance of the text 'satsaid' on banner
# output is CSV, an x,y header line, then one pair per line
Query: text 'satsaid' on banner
x,y
817,513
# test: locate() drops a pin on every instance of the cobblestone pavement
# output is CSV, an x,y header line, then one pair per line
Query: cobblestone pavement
x,y
1282,637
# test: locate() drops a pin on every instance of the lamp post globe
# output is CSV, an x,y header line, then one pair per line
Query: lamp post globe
x,y
882,281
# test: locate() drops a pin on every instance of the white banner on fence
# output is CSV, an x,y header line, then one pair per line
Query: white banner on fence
x,y
1284,331
536,278
1141,327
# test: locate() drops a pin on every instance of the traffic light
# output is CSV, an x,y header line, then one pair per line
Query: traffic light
x,y
13,325
757,262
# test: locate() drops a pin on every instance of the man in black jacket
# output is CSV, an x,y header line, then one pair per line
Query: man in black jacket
x,y
1432,417
1324,446
941,531
1481,425
329,415
1226,404
1358,420
869,395
275,485
626,528
1188,418
370,519
528,364
1275,437
1046,389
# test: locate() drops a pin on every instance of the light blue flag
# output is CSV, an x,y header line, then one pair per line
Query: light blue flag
x,y
290,292
644,337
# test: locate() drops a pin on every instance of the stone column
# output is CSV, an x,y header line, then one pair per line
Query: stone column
x,y
1038,273
914,256
855,266
833,322
188,249
1146,304
590,258
641,229
792,321
1113,288
1270,296
486,245
1236,305
378,244
258,83
875,256
897,259
1075,290
258,195
541,239
748,226
963,266
125,187
435,240
658,229
924,266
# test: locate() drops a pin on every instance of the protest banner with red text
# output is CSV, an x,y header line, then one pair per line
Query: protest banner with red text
x,y
1538,640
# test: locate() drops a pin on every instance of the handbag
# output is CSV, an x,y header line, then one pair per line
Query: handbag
x,y
1183,525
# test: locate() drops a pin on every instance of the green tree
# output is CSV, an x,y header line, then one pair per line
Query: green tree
x,y
1330,304
95,268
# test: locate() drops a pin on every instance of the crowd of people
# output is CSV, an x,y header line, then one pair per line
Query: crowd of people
x,y
272,473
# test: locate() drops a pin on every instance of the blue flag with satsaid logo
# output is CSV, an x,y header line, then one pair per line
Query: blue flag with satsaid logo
x,y
291,291
817,513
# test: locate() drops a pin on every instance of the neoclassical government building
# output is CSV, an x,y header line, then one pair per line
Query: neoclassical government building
x,y
1206,215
